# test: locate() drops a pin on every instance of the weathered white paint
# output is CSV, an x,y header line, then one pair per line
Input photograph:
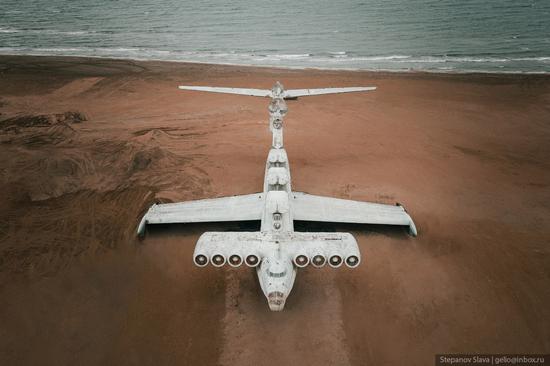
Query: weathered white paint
x,y
234,208
242,91
294,93
277,250
277,92
308,207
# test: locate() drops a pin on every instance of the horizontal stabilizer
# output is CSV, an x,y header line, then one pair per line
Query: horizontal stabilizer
x,y
294,93
241,91
286,94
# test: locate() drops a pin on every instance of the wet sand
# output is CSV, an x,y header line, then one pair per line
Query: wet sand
x,y
86,145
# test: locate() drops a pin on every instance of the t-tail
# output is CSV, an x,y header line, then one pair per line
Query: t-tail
x,y
278,91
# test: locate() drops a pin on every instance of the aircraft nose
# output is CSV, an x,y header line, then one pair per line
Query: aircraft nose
x,y
276,300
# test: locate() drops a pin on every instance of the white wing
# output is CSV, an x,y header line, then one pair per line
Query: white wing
x,y
294,93
307,207
242,91
235,208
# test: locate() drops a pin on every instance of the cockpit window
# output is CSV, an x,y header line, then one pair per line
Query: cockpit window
x,y
277,275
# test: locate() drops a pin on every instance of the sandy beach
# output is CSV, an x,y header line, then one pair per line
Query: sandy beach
x,y
87,144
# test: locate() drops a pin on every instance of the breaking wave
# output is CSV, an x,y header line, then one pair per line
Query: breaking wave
x,y
441,36
328,60
47,32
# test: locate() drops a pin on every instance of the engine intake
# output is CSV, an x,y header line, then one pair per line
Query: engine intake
x,y
218,260
301,260
335,261
235,260
252,260
200,260
318,260
352,261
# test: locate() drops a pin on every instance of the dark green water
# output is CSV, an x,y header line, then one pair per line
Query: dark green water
x,y
444,36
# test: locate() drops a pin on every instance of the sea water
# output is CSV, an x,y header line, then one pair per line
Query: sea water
x,y
395,35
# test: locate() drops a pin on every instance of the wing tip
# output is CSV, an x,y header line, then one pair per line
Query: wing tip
x,y
143,222
412,227
141,227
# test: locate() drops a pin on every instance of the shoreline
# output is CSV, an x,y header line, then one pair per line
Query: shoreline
x,y
280,67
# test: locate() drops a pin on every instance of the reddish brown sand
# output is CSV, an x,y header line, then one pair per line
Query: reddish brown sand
x,y
468,155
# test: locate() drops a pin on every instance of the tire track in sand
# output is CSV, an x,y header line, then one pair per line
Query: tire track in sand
x,y
308,332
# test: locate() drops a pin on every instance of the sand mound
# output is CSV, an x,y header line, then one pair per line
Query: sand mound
x,y
41,120
70,194
76,87
155,158
65,228
41,129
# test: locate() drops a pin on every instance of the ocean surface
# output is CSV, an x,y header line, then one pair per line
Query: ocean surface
x,y
396,35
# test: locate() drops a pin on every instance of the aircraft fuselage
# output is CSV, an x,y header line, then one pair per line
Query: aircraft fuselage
x,y
277,272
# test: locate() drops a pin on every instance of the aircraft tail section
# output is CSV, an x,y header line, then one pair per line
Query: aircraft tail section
x,y
295,93
240,91
278,91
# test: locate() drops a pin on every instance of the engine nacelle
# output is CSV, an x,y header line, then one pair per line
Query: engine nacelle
x,y
335,260
252,260
200,259
318,260
235,260
353,260
217,260
301,260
